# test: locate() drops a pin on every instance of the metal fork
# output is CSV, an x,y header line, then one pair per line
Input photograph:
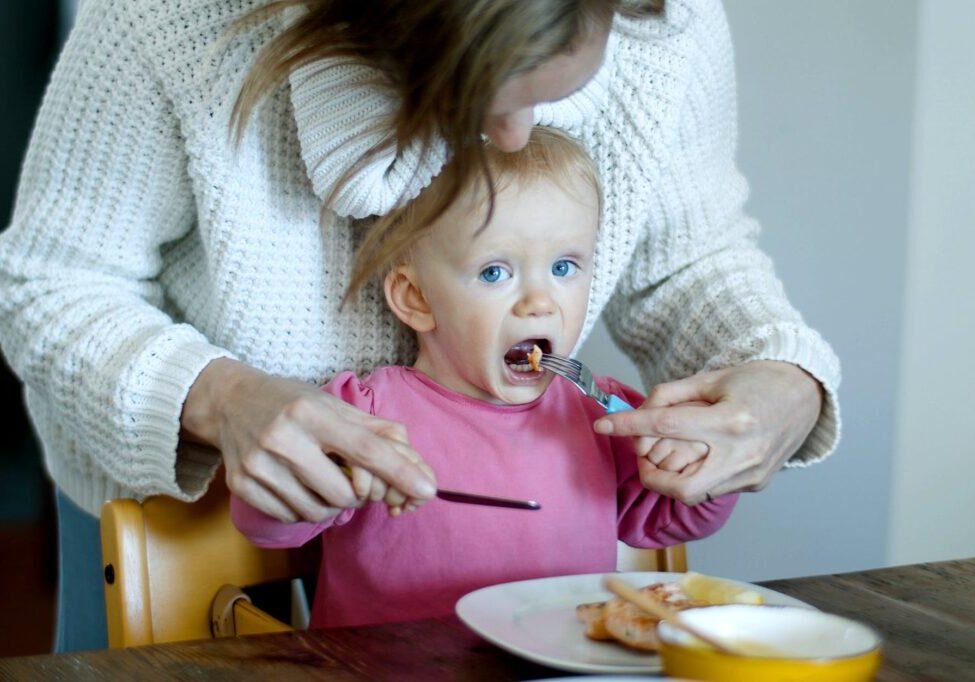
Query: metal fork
x,y
579,374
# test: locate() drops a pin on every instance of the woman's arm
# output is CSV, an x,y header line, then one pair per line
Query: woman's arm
x,y
111,379
104,185
699,295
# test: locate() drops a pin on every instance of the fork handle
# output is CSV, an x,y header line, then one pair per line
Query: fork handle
x,y
616,404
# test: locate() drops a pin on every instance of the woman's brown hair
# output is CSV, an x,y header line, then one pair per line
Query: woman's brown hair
x,y
444,60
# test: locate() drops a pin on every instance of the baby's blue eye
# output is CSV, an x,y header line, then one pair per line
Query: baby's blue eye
x,y
563,268
493,273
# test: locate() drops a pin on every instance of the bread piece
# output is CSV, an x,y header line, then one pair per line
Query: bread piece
x,y
593,615
631,626
621,621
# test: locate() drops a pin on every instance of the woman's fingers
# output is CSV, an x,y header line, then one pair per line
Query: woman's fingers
x,y
703,388
394,499
725,469
688,487
680,422
397,501
362,482
378,489
643,445
665,447
675,455
294,449
656,479
257,496
268,472
276,435
389,458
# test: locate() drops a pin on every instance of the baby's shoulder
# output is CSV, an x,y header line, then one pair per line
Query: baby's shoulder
x,y
610,385
362,391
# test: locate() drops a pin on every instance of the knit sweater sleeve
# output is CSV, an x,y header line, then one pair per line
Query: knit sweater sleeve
x,y
698,293
103,188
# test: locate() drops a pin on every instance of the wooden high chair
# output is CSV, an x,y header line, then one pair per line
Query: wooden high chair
x,y
173,570
672,559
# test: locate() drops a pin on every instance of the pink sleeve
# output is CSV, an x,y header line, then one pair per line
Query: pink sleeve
x,y
266,531
648,519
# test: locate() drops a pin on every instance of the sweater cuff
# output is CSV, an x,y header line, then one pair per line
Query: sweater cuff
x,y
805,348
157,383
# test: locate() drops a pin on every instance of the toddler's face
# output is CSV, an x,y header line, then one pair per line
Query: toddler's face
x,y
522,280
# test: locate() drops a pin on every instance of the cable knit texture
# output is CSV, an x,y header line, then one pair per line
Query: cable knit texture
x,y
143,244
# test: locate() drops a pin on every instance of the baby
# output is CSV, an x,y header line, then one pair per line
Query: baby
x,y
480,288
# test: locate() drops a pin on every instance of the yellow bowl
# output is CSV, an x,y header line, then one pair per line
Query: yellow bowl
x,y
781,643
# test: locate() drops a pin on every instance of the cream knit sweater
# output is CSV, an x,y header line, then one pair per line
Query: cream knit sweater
x,y
143,245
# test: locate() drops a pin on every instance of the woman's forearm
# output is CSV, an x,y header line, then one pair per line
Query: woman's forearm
x,y
202,412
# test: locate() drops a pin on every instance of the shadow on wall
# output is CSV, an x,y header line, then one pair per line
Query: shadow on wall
x,y
29,34
29,39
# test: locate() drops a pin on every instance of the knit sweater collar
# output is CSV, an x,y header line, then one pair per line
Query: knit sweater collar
x,y
341,114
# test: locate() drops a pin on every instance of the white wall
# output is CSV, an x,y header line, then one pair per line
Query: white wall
x,y
933,493
826,96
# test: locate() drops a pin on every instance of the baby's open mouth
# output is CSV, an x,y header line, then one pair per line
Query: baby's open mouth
x,y
518,357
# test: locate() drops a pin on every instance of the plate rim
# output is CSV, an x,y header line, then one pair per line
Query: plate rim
x,y
463,604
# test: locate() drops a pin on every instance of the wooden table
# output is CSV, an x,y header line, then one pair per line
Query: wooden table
x,y
926,613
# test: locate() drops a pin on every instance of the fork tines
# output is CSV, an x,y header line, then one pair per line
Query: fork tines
x,y
567,367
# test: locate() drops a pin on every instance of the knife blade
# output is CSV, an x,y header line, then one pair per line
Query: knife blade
x,y
470,498
485,500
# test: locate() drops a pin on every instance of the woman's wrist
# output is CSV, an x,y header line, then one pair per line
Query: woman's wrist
x,y
203,409
806,384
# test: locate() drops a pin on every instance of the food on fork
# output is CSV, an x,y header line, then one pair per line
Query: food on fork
x,y
619,620
535,358
526,355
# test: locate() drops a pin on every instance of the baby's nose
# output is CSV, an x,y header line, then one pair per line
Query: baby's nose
x,y
534,303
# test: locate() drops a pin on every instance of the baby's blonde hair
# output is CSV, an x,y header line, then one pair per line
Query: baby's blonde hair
x,y
549,154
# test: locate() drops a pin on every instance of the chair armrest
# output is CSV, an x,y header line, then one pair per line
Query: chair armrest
x,y
232,614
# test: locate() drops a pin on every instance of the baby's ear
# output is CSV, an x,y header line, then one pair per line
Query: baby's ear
x,y
406,299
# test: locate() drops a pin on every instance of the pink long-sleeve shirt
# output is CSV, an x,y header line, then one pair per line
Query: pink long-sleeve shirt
x,y
380,569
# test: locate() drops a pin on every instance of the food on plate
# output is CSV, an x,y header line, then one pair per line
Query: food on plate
x,y
535,358
716,591
619,620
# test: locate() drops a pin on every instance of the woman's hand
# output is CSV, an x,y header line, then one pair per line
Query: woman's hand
x,y
274,434
752,419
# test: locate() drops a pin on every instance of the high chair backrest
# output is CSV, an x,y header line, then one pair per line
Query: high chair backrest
x,y
669,559
164,560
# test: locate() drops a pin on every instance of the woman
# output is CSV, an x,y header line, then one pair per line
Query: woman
x,y
171,293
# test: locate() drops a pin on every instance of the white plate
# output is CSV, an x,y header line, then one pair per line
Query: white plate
x,y
536,619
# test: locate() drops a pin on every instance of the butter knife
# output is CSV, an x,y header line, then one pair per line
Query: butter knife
x,y
470,498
